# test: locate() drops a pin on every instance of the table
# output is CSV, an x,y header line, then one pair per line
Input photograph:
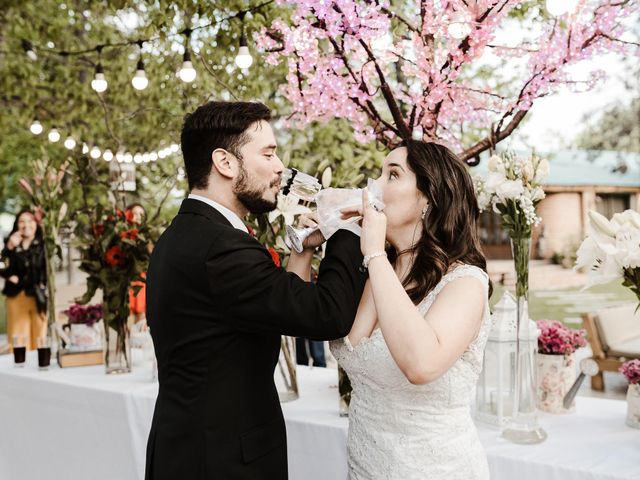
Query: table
x,y
79,423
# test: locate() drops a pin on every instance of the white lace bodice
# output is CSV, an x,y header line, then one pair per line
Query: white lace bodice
x,y
398,430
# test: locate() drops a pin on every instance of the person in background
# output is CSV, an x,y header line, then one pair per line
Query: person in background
x,y
136,214
25,274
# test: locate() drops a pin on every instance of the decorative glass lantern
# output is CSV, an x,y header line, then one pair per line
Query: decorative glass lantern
x,y
495,391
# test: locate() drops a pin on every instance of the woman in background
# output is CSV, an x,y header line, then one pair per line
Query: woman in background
x,y
25,275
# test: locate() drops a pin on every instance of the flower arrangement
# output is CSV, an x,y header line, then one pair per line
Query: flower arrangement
x,y
114,253
557,339
84,314
513,189
631,370
611,250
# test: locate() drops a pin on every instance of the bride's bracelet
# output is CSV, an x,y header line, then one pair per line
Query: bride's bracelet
x,y
368,258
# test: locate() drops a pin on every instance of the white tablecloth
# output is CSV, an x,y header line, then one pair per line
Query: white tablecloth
x,y
78,424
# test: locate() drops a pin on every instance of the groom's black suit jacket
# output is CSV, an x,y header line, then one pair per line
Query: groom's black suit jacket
x,y
216,306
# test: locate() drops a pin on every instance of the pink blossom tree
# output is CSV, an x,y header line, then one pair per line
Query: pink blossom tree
x,y
436,68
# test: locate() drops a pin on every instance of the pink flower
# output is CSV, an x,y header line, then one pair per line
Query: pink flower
x,y
557,339
631,370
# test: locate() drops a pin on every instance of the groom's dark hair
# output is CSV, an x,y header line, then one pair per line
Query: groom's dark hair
x,y
216,125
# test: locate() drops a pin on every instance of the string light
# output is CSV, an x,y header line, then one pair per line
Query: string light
x,y
107,155
187,73
69,143
244,58
99,82
85,148
140,80
54,135
28,48
95,153
36,128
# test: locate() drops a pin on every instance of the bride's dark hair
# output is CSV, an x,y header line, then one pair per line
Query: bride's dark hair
x,y
450,229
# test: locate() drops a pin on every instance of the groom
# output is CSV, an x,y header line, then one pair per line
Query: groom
x,y
217,305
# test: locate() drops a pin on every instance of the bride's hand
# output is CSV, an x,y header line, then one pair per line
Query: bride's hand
x,y
374,225
316,238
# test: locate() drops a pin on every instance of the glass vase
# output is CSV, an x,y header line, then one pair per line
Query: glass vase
x,y
117,352
523,426
286,377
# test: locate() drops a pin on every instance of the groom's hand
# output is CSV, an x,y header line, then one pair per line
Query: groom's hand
x,y
316,238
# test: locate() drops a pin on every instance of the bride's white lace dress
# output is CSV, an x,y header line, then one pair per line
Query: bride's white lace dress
x,y
402,431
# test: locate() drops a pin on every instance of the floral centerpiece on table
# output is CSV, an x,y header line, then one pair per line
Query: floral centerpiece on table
x,y
513,189
611,250
84,332
114,252
557,339
555,365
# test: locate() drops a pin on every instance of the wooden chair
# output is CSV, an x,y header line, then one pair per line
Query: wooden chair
x,y
614,335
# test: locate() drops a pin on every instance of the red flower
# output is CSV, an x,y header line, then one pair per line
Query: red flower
x,y
114,256
128,215
274,256
129,234
97,229
120,213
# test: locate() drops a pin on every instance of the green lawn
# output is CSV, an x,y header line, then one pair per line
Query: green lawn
x,y
559,304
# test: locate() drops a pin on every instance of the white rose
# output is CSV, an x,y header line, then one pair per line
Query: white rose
x,y
510,190
493,182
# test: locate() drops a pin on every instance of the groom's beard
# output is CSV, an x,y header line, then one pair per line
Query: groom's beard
x,y
252,197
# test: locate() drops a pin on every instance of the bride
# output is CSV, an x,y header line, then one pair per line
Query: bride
x,y
415,350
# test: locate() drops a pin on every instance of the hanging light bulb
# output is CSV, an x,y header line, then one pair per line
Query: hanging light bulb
x,y
54,135
153,156
244,58
95,153
99,82
140,80
187,73
459,27
69,143
85,148
36,127
557,8
128,158
107,155
174,147
28,49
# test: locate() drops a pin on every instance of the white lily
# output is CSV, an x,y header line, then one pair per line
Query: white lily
x,y
288,207
601,224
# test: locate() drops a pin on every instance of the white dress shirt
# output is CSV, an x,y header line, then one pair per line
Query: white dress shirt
x,y
228,214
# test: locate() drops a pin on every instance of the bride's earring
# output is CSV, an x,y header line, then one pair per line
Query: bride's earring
x,y
424,212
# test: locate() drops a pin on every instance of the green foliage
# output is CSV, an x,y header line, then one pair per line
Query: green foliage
x,y
618,128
